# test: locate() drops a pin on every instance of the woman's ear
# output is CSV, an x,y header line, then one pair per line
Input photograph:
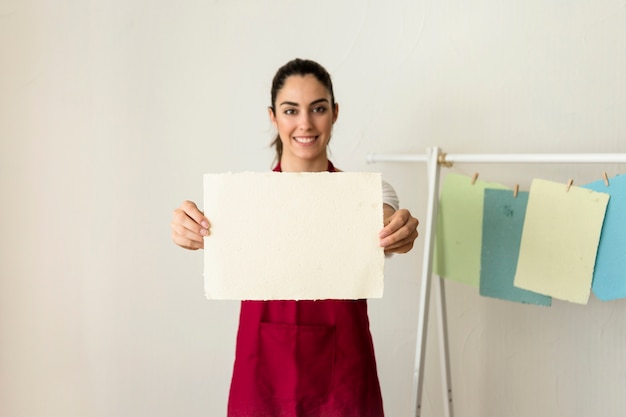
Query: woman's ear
x,y
335,112
270,112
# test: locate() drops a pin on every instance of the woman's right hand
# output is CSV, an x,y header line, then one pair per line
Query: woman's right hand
x,y
189,226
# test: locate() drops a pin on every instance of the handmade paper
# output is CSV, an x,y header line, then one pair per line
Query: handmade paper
x,y
560,240
503,221
293,236
459,229
609,275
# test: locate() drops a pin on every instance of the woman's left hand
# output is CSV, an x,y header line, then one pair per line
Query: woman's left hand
x,y
400,231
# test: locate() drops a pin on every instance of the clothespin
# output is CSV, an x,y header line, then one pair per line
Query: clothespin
x,y
441,160
474,178
606,179
569,184
516,190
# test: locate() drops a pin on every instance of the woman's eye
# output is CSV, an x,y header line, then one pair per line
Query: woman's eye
x,y
290,111
319,109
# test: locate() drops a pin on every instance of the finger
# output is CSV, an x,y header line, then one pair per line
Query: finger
x,y
394,222
405,230
405,235
400,237
191,210
182,221
188,216
403,249
403,245
187,231
184,236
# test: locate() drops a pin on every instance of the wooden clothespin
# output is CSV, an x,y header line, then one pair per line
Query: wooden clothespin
x,y
569,184
441,160
516,190
606,179
474,178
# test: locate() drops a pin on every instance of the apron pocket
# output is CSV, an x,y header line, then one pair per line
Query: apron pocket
x,y
296,362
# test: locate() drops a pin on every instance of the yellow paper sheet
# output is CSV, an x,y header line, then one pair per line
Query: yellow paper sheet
x,y
560,240
293,236
459,229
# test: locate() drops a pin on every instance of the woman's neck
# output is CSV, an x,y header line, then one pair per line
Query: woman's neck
x,y
291,165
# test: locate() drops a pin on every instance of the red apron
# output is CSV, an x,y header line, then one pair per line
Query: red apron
x,y
304,359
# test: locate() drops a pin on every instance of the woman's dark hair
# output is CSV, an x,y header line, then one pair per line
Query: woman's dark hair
x,y
300,67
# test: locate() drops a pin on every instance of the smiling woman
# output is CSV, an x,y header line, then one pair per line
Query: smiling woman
x,y
304,358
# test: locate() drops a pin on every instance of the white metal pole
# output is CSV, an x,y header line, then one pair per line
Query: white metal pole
x,y
521,158
444,352
539,158
424,295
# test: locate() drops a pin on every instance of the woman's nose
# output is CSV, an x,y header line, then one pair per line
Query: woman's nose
x,y
304,121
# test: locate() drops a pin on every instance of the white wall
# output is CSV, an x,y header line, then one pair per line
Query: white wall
x,y
111,111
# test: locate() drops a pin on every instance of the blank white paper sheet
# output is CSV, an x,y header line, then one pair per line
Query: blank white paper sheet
x,y
293,236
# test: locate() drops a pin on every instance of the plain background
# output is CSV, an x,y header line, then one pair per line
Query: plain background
x,y
111,111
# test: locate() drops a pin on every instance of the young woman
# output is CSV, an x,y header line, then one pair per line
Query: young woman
x,y
304,358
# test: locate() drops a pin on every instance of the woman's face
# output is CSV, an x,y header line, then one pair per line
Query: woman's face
x,y
304,118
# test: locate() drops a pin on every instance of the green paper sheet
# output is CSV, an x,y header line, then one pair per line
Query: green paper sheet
x,y
459,229
560,240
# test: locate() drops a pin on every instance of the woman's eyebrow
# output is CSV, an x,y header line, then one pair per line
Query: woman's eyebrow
x,y
320,100
294,104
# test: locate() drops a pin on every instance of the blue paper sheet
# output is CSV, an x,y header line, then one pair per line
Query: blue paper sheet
x,y
609,275
503,221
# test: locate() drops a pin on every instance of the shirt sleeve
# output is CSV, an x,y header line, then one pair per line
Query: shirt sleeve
x,y
389,196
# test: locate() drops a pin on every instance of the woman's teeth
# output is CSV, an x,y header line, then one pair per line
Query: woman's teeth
x,y
304,139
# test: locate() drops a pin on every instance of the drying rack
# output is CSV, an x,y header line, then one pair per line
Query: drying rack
x,y
434,160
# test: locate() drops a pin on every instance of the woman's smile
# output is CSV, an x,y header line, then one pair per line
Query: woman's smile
x,y
305,140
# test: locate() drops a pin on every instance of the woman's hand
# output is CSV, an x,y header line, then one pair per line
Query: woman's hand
x,y
189,226
400,230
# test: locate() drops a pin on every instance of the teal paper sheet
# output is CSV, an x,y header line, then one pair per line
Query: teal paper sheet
x,y
503,221
609,275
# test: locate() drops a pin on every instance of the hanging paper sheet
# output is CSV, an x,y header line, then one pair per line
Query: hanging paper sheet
x,y
459,229
560,240
609,275
503,221
293,236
